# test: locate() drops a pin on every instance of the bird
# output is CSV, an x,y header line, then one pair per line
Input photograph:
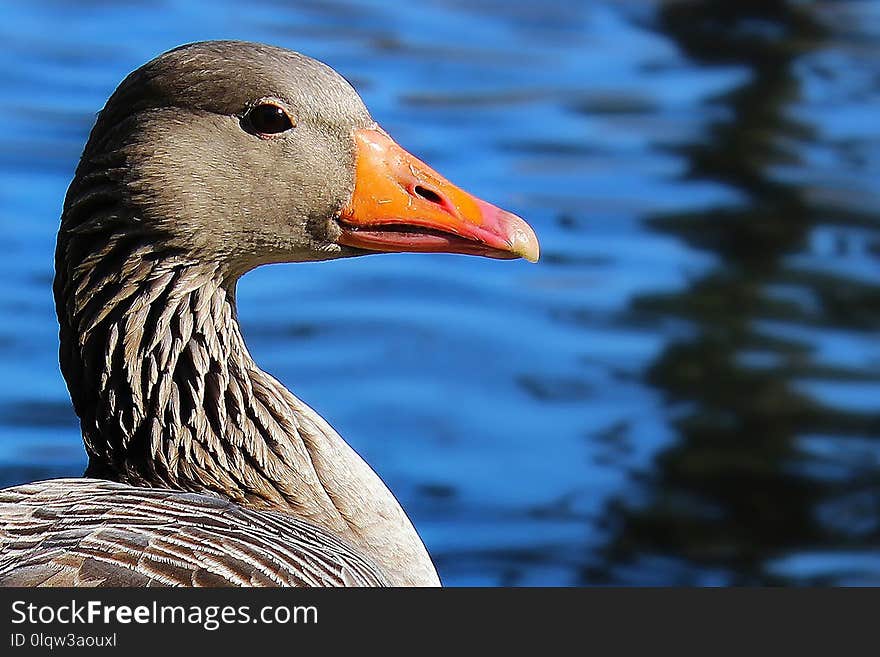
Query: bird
x,y
206,162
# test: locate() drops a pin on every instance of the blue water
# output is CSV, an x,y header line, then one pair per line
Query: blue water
x,y
686,389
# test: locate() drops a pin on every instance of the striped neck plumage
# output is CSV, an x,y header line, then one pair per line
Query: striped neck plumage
x,y
168,396
159,374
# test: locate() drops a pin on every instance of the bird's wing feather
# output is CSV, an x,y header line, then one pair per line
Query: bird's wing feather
x,y
88,532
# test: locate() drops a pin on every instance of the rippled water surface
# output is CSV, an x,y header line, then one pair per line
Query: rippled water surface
x,y
686,389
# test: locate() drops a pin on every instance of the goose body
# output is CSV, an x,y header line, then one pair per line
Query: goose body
x,y
204,470
88,532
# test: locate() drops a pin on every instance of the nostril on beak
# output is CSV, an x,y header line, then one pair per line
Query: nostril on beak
x,y
428,194
439,199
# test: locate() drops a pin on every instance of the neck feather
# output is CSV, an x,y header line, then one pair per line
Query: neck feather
x,y
168,396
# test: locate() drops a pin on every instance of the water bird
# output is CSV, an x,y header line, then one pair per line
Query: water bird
x,y
204,470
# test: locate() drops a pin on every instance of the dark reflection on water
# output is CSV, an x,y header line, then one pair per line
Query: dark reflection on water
x,y
766,483
684,390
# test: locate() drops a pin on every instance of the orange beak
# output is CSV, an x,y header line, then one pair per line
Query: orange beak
x,y
400,204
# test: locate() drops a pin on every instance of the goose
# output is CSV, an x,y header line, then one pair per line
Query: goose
x,y
203,470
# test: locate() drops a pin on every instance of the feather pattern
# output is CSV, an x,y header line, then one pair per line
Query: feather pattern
x,y
88,532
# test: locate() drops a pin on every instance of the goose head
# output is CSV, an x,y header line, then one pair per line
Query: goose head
x,y
243,154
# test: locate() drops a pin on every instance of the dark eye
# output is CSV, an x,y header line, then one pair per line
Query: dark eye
x,y
269,119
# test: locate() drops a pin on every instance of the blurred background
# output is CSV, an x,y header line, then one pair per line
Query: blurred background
x,y
685,390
